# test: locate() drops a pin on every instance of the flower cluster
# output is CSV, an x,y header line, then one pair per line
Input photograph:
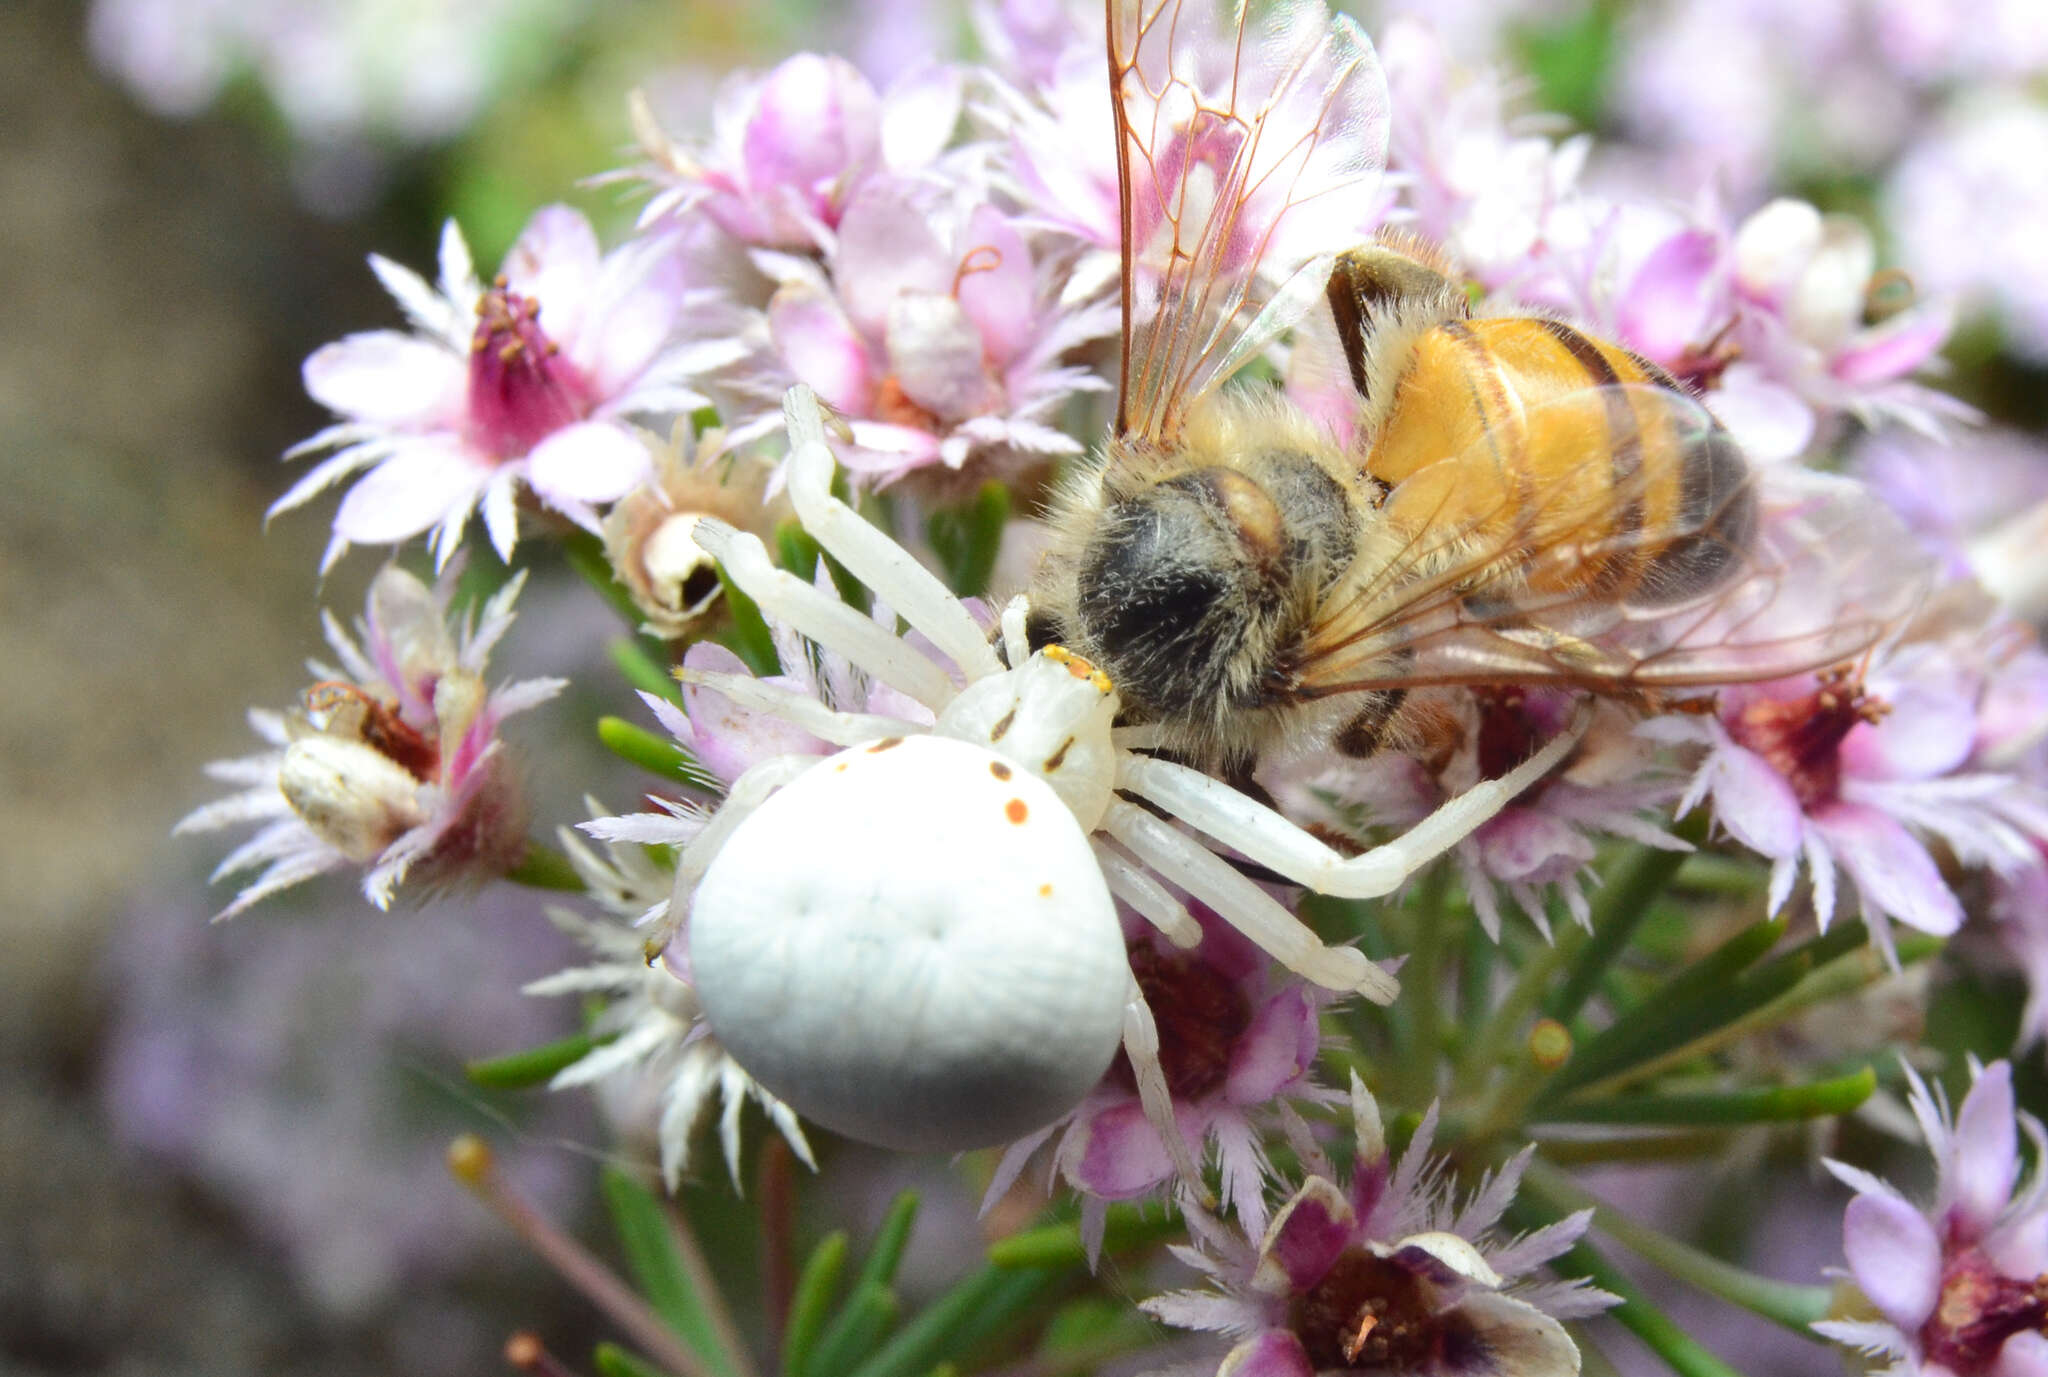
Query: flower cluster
x,y
941,852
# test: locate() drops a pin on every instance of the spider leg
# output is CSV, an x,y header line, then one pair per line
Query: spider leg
x,y
1153,901
1253,912
1267,838
799,709
823,618
1141,1045
872,557
1016,641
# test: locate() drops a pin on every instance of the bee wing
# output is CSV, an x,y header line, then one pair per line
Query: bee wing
x,y
1635,567
1236,139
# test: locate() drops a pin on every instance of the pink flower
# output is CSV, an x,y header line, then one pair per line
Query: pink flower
x,y
1390,1273
392,762
1851,770
1489,188
1543,843
1236,1037
935,330
1983,152
524,384
790,147
1961,1287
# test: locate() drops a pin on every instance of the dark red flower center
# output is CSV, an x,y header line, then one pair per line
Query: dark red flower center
x,y
1506,735
1802,737
521,389
1201,1014
1368,1312
1978,1311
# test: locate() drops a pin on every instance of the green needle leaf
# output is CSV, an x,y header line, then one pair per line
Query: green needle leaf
x,y
1059,1245
1787,1303
1624,901
748,636
543,867
976,1308
1765,1104
585,554
534,1066
659,1270
612,1361
812,1302
1659,1332
654,752
637,665
854,1332
887,1254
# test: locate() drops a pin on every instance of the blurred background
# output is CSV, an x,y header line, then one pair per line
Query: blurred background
x,y
220,1148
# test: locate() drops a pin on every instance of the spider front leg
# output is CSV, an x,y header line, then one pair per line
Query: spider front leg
x,y
1141,1045
1208,877
823,618
1266,838
798,709
871,556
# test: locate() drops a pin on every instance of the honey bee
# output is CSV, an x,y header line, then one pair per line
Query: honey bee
x,y
1523,503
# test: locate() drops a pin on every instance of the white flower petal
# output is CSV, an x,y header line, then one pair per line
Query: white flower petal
x,y
592,461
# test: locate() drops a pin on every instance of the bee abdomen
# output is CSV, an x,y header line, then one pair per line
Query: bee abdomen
x,y
1573,449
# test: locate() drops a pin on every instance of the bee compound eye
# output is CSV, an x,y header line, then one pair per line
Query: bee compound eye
x,y
912,948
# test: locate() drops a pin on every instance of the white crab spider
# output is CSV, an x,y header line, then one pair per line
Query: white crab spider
x,y
913,942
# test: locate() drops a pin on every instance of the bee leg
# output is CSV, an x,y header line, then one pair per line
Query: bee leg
x,y
1141,1045
1177,857
822,617
748,792
1153,901
871,556
1387,867
1268,839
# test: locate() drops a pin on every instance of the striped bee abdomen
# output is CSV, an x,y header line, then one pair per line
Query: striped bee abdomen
x,y
1585,466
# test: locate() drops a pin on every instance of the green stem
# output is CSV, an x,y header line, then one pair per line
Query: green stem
x,y
543,867
1490,1048
1661,1147
1632,885
1680,1351
1845,975
1794,1306
1422,976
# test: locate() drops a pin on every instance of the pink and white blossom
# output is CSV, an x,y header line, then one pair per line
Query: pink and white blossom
x,y
935,328
1544,843
1960,1286
392,764
1390,1272
790,147
1857,772
524,385
1237,1036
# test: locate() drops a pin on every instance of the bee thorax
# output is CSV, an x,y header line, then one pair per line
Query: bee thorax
x,y
1192,588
